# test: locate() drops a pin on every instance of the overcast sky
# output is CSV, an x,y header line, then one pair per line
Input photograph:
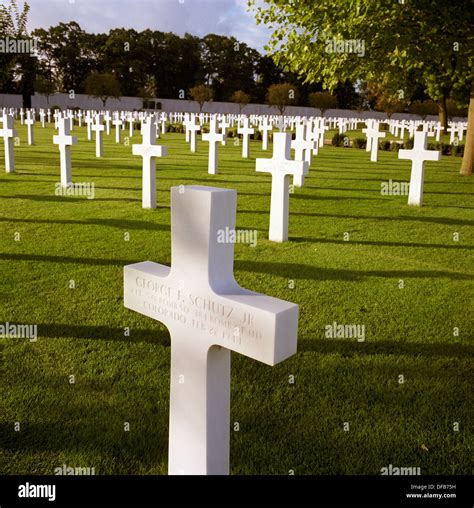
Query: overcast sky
x,y
197,17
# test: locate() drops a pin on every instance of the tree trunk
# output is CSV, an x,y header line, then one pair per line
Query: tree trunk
x,y
443,114
468,158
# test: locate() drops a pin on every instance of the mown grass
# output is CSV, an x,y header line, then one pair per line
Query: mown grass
x,y
283,426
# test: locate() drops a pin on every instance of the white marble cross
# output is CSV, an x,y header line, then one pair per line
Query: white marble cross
x,y
302,144
89,122
30,122
322,128
193,129
42,118
280,166
213,137
8,134
98,128
208,315
107,118
186,122
64,140
373,133
149,150
246,131
223,125
265,127
369,126
418,155
117,123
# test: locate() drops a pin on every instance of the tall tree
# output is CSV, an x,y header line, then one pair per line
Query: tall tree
x,y
322,101
282,95
102,86
68,53
418,41
17,70
241,98
201,94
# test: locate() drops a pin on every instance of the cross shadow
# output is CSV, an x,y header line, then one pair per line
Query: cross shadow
x,y
68,259
116,223
310,272
332,198
383,244
407,218
386,347
158,336
68,199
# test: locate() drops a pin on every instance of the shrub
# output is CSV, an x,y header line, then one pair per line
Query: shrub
x,y
458,150
359,143
384,145
338,139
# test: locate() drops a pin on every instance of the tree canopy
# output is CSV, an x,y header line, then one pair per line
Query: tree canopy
x,y
401,44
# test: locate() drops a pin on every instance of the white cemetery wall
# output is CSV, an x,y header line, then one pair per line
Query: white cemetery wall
x,y
175,105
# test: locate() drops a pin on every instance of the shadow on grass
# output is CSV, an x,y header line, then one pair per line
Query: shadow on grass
x,y
66,259
66,199
386,347
382,244
405,218
87,332
309,272
116,223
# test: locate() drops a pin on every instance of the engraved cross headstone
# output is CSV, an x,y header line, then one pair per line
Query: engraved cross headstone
x,y
208,315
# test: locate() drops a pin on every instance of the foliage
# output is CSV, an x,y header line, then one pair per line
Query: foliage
x,y
44,87
201,94
102,86
339,140
359,142
322,101
423,108
381,97
282,95
241,98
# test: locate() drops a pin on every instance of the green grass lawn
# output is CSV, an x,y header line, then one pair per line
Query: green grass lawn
x,y
283,426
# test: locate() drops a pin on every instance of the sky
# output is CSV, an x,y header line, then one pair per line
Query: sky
x,y
197,17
